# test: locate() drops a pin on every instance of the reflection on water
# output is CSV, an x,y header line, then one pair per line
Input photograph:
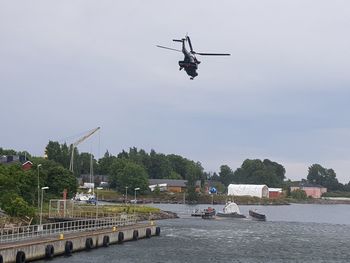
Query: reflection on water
x,y
195,240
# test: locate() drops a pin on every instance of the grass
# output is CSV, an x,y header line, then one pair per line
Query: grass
x,y
166,197
119,208
108,194
336,194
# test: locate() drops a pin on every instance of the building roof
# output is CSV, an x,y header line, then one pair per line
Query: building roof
x,y
304,183
172,182
311,185
10,159
275,189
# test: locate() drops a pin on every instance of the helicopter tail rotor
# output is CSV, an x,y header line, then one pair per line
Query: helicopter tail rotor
x,y
179,40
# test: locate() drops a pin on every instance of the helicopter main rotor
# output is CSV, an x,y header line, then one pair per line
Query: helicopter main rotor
x,y
188,40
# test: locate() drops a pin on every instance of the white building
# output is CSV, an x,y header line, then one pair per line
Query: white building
x,y
248,190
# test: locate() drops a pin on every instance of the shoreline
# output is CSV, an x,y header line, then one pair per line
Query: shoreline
x,y
161,215
238,201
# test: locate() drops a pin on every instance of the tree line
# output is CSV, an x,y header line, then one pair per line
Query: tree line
x,y
155,165
130,168
19,188
133,168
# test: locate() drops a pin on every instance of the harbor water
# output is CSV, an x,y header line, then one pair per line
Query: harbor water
x,y
295,233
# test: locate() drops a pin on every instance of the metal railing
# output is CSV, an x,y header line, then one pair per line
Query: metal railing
x,y
80,214
14,234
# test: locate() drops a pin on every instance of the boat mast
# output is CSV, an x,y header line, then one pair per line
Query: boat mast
x,y
91,175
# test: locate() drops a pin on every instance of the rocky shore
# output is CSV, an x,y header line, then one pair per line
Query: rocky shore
x,y
157,216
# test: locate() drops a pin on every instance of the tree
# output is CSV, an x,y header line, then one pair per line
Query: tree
x,y
65,156
226,175
276,168
59,153
194,172
104,164
16,190
260,172
17,206
58,179
53,151
178,164
125,173
323,176
160,166
14,180
7,151
156,190
83,163
174,175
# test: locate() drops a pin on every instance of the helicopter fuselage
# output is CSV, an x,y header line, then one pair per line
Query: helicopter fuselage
x,y
190,62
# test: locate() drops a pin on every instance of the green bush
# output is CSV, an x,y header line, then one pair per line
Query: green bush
x,y
298,194
336,194
16,206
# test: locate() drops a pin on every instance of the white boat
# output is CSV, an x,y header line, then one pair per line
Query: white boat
x,y
90,197
231,210
84,198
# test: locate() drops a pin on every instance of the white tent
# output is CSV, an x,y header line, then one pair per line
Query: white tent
x,y
249,190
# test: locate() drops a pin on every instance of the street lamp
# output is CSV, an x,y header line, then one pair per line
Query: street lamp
x,y
126,194
41,209
136,189
39,165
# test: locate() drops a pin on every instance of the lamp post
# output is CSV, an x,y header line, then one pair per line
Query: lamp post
x,y
136,189
39,165
126,194
41,206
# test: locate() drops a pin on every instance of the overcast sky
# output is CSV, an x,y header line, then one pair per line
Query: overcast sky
x,y
69,66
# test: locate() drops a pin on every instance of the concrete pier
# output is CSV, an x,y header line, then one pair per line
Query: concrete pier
x,y
48,247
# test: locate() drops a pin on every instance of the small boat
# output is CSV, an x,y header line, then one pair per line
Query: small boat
x,y
231,210
84,198
197,212
257,216
208,213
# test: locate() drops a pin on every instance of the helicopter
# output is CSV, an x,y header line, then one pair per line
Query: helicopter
x,y
190,62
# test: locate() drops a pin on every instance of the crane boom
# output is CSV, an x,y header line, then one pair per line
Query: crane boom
x,y
75,144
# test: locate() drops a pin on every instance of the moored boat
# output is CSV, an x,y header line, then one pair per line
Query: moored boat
x,y
230,215
197,212
231,210
257,216
208,213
